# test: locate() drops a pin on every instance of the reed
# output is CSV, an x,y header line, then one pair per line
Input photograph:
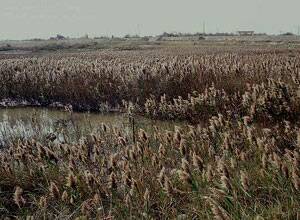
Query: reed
x,y
237,159
170,84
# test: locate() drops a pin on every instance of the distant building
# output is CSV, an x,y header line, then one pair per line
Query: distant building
x,y
245,33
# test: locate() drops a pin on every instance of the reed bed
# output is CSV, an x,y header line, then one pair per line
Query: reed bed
x,y
229,169
239,157
203,84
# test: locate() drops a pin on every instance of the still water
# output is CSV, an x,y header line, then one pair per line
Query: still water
x,y
29,122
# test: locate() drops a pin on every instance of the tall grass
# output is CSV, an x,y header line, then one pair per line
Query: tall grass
x,y
238,159
229,169
104,80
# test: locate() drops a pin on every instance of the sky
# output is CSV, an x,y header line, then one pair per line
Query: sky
x,y
26,19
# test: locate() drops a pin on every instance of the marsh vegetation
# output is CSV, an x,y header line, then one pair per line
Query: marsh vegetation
x,y
233,151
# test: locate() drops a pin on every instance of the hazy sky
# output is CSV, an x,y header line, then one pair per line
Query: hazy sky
x,y
23,19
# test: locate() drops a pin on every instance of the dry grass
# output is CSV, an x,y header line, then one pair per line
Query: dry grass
x,y
227,170
243,163
187,84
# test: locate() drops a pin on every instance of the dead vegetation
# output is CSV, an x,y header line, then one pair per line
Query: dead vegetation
x,y
243,163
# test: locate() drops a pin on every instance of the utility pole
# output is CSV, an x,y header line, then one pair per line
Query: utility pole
x,y
138,27
203,27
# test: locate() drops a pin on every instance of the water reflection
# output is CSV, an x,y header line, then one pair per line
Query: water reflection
x,y
38,123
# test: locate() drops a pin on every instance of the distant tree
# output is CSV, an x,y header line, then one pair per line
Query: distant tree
x,y
146,38
60,37
288,34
